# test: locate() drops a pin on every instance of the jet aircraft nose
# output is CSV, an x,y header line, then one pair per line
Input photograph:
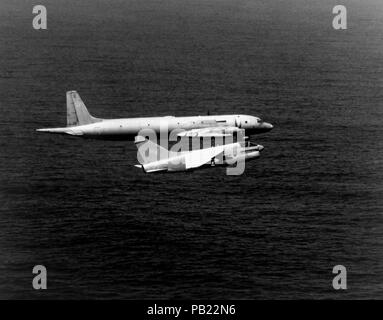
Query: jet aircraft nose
x,y
265,126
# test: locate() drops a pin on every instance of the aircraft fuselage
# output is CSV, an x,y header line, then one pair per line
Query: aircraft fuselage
x,y
128,128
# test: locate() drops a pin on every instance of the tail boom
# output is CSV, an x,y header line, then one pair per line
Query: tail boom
x,y
66,130
77,115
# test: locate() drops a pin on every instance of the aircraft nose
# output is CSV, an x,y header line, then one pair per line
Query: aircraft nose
x,y
267,126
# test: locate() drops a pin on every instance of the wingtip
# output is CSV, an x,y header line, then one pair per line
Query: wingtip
x,y
140,166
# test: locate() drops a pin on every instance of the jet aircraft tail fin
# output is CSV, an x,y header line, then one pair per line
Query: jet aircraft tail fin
x,y
77,113
148,151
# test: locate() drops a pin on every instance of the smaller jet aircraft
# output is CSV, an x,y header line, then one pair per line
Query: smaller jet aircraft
x,y
154,158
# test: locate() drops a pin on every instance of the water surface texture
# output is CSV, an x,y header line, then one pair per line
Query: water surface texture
x,y
104,229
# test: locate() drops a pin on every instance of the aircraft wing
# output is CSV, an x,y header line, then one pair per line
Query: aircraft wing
x,y
198,158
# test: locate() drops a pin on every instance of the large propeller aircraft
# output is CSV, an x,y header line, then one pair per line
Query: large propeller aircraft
x,y
81,123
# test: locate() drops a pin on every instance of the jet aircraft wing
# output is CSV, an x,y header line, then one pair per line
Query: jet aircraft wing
x,y
198,158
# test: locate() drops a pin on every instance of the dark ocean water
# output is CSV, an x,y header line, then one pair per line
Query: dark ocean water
x,y
104,229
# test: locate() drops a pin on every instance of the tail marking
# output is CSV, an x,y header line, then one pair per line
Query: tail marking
x,y
77,113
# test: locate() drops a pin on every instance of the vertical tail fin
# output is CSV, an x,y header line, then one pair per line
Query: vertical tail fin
x,y
149,151
77,113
